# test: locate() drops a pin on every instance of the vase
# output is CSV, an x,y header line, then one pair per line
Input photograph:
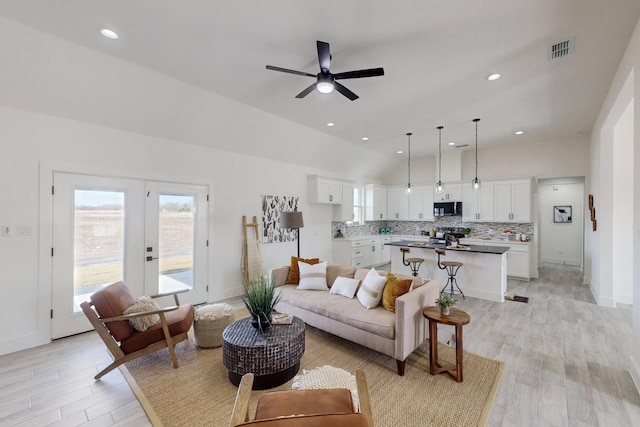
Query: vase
x,y
444,311
261,323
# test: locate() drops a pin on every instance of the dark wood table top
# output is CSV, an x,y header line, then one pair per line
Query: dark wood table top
x,y
455,316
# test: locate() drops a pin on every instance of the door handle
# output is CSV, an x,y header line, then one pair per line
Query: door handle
x,y
151,258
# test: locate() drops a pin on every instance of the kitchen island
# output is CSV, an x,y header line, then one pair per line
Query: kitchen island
x,y
483,275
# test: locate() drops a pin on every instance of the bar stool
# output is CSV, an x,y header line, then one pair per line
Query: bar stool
x,y
452,268
413,262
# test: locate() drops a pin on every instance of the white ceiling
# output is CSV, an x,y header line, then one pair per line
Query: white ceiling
x,y
436,56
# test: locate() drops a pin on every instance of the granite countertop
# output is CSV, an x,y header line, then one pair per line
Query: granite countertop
x,y
499,250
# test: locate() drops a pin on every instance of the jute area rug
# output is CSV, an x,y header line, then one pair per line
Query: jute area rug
x,y
199,393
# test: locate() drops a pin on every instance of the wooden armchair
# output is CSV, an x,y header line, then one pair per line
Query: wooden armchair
x,y
308,408
106,309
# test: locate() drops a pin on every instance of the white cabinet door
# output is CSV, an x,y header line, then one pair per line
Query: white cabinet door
x,y
469,203
452,193
385,250
421,204
512,201
344,211
521,201
485,202
325,191
397,204
375,202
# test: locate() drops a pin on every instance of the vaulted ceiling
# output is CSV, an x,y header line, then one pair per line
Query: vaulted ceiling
x,y
436,55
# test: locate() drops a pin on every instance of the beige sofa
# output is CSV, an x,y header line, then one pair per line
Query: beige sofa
x,y
394,334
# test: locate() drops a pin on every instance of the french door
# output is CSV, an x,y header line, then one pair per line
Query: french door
x,y
151,235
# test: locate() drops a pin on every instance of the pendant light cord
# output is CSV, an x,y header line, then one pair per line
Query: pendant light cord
x,y
440,155
409,161
476,120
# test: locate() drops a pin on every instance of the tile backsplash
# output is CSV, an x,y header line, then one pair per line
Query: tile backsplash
x,y
415,228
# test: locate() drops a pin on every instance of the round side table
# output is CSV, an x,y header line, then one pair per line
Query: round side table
x,y
272,356
456,318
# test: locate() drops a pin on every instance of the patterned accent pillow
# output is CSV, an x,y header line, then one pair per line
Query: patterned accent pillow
x,y
142,304
294,273
370,292
394,288
313,277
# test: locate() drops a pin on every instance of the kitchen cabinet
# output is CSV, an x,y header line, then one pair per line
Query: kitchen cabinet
x,y
375,202
360,253
518,256
344,211
478,205
452,193
397,203
385,251
421,204
512,201
324,191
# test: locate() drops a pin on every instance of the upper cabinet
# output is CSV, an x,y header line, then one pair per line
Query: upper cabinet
x,y
478,205
452,193
344,211
324,190
512,201
375,202
421,204
398,203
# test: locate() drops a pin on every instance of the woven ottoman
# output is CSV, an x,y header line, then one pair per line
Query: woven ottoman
x,y
209,323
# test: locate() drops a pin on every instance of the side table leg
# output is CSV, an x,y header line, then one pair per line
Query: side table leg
x,y
433,347
459,353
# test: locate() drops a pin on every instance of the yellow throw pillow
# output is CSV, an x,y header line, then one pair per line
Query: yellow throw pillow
x,y
294,272
393,289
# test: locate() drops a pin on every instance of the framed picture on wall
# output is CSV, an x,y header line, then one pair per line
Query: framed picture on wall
x,y
562,214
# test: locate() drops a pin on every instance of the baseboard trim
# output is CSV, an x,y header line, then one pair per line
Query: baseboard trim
x,y
634,370
602,301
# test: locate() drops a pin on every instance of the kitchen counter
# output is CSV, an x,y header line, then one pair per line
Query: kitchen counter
x,y
483,275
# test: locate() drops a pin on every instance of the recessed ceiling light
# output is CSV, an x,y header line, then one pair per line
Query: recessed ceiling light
x,y
109,33
399,152
519,132
330,124
365,138
494,76
452,143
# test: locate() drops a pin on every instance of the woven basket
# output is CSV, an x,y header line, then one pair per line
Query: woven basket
x,y
207,333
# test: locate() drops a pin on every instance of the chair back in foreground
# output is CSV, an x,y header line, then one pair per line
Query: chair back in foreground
x,y
308,408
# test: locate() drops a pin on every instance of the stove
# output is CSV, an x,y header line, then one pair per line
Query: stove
x,y
444,234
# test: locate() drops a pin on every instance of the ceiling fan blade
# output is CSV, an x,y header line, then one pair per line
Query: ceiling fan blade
x,y
371,72
286,70
306,92
324,56
346,92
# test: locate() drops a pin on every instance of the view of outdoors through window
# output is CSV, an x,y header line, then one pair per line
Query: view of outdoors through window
x,y
176,240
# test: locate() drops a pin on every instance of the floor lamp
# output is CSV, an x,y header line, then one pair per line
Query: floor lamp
x,y
292,220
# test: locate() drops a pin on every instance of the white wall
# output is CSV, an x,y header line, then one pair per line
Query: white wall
x,y
561,243
600,245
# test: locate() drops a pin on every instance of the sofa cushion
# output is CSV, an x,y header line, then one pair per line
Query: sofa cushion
x,y
370,292
313,277
295,402
336,270
294,272
345,287
394,288
349,311
321,420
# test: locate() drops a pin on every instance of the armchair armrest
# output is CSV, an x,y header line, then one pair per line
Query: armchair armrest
x,y
143,313
240,412
174,294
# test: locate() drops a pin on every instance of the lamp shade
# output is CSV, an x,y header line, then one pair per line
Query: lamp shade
x,y
291,220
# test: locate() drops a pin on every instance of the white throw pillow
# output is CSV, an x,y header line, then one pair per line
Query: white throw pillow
x,y
344,286
370,293
313,277
142,304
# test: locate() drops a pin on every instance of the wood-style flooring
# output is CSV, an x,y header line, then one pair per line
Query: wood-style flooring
x,y
565,365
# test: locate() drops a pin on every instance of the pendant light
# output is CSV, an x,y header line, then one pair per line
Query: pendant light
x,y
476,182
408,189
440,185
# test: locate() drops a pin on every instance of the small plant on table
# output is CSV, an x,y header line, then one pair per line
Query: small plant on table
x,y
445,301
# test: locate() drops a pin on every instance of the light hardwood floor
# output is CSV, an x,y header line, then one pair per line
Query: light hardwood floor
x,y
565,365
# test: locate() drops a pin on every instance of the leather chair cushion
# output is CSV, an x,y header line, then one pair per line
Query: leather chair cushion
x,y
331,420
112,301
179,321
308,402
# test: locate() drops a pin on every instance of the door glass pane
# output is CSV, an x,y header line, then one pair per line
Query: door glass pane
x,y
176,241
98,241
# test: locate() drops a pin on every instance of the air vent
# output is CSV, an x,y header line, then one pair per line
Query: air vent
x,y
560,49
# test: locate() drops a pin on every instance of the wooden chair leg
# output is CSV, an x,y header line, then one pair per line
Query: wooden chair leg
x,y
169,341
363,396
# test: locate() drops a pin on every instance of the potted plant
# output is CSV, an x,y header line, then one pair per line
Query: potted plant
x,y
467,231
445,301
260,298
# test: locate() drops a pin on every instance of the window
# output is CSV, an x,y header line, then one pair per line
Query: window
x,y
358,205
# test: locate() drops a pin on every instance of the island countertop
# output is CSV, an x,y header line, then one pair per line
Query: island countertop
x,y
498,250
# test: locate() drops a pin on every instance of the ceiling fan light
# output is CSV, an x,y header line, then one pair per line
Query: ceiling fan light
x,y
324,87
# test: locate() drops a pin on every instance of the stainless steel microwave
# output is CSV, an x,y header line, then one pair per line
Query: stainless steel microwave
x,y
447,208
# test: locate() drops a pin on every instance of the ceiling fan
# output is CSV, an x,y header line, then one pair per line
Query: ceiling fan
x,y
325,80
